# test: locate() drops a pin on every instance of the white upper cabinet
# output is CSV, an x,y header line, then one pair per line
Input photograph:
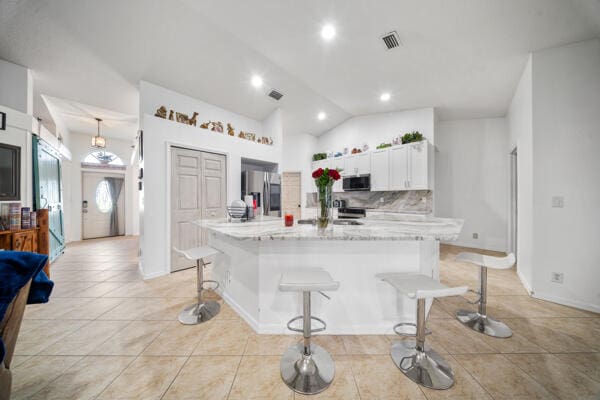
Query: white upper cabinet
x,y
357,164
380,170
409,166
418,166
398,168
404,167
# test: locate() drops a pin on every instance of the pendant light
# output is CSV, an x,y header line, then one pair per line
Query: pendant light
x,y
98,141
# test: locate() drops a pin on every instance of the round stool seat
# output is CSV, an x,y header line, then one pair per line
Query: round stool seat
x,y
307,280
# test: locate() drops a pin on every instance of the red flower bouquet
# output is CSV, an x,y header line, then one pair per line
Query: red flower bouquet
x,y
324,180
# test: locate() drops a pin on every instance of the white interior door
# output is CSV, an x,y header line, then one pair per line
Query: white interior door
x,y
97,205
291,194
198,191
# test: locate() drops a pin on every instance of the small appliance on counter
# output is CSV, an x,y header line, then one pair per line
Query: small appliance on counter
x,y
237,211
339,203
351,213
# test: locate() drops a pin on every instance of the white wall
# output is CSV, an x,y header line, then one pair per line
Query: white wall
x,y
566,162
520,126
296,157
18,133
80,146
159,134
375,129
16,87
471,179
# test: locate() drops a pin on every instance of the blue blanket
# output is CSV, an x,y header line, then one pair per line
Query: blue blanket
x,y
16,269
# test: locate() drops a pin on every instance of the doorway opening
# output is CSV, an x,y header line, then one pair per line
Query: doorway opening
x,y
514,196
198,183
103,205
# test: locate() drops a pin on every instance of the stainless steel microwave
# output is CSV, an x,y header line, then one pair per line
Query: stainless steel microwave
x,y
361,182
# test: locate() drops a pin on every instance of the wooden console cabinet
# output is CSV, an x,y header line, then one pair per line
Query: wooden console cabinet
x,y
35,240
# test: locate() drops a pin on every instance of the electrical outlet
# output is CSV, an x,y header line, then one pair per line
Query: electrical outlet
x,y
558,277
475,235
558,201
381,200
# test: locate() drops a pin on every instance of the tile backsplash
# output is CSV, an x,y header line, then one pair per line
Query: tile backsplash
x,y
418,201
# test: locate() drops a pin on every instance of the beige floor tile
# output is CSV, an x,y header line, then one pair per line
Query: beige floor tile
x,y
36,372
588,363
557,377
334,344
343,386
69,289
456,338
227,312
269,345
177,340
54,309
99,289
204,377
85,379
127,276
465,386
500,378
33,341
259,377
377,377
226,337
366,344
85,339
584,330
18,360
92,309
517,343
131,340
146,378
544,335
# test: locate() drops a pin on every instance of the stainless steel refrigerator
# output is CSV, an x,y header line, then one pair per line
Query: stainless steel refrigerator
x,y
265,187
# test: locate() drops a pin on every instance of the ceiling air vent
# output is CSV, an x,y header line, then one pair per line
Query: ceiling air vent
x,y
275,94
391,40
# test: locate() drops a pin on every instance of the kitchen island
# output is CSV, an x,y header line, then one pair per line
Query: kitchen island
x,y
255,253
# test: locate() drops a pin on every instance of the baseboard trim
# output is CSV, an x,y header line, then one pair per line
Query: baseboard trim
x,y
152,275
470,245
240,311
567,302
524,282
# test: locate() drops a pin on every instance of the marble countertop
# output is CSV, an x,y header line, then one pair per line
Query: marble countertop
x,y
401,227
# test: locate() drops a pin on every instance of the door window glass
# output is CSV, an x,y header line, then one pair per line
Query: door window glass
x,y
103,199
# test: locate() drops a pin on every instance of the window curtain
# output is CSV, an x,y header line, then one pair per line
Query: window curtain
x,y
114,185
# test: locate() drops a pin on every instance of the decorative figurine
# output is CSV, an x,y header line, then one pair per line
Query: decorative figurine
x,y
205,125
230,130
171,115
181,117
161,112
192,121
242,135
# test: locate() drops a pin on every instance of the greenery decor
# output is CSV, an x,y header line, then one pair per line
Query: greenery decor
x,y
319,156
384,146
414,136
324,179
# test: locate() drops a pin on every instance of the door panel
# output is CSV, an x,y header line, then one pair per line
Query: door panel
x,y
380,170
291,194
97,206
398,168
198,191
48,192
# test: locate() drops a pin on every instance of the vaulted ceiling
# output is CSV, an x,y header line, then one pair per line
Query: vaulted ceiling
x,y
463,57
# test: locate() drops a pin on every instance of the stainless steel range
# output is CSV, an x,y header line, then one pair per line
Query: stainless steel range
x,y
351,213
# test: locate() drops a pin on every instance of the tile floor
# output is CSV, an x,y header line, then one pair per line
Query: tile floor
x,y
107,334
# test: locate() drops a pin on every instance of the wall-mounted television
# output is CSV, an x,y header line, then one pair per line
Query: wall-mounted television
x,y
10,172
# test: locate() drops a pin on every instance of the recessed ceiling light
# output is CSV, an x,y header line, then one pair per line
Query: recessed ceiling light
x,y
321,116
328,32
257,81
385,97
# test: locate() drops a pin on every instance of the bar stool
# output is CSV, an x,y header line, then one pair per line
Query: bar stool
x,y
415,359
305,367
200,311
480,321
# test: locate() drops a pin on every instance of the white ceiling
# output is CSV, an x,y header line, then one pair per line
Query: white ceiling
x,y
463,57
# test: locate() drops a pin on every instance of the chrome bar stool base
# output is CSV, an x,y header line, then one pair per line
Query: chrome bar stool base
x,y
484,324
198,313
424,367
307,374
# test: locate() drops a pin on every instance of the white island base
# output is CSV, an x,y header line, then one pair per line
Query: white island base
x,y
249,272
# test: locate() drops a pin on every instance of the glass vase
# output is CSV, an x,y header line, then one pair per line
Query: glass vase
x,y
325,207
